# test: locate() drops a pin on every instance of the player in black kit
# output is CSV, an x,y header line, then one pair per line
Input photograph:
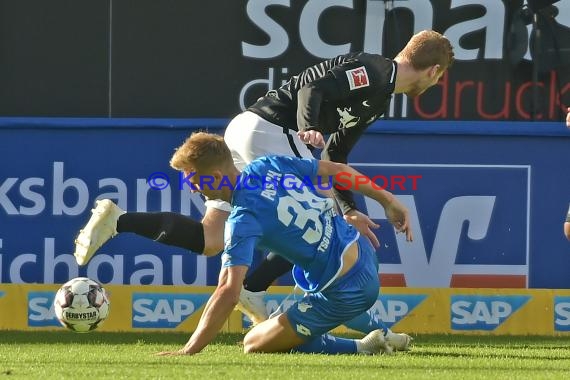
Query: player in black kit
x,y
340,98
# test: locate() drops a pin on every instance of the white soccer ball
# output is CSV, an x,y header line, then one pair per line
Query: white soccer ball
x,y
81,304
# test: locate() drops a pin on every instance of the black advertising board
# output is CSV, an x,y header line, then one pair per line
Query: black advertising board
x,y
210,59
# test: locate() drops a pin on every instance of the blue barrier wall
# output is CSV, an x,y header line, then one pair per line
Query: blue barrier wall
x,y
523,165
487,206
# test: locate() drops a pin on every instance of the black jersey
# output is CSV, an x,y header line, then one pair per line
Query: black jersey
x,y
339,97
355,88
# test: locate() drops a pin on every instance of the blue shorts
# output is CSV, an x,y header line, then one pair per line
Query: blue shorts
x,y
347,297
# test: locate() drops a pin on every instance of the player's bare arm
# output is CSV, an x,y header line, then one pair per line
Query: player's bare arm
x,y
213,222
217,310
364,225
396,212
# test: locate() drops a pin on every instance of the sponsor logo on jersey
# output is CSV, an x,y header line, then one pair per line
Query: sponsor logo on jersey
x,y
40,309
346,119
303,307
357,78
164,310
561,313
303,330
483,312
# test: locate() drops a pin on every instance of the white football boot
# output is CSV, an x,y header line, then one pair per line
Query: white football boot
x,y
101,227
373,343
252,305
398,341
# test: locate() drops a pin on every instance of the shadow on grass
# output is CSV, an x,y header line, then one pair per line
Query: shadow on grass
x,y
486,355
64,336
493,340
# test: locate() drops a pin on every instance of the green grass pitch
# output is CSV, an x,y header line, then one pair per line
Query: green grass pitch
x,y
67,355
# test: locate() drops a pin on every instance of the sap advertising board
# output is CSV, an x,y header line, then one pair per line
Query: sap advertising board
x,y
486,210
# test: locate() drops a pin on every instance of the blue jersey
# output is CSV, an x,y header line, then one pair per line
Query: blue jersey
x,y
275,206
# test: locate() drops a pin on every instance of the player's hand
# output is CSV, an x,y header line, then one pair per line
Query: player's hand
x,y
399,216
364,225
568,117
172,353
314,138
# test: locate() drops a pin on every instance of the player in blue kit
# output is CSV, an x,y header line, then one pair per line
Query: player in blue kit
x,y
337,99
275,207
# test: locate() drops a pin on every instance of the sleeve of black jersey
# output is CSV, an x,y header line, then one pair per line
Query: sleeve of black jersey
x,y
309,100
337,149
332,87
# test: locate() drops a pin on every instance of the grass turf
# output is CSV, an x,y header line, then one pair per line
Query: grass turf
x,y
66,355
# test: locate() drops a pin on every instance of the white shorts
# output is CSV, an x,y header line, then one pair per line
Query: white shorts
x,y
249,136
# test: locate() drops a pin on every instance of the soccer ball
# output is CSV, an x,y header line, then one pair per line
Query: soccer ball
x,y
81,304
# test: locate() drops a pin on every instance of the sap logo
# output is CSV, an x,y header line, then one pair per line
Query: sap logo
x,y
1,294
40,309
483,312
164,310
561,313
391,308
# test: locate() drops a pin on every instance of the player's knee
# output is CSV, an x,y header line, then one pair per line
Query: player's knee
x,y
213,240
257,339
213,223
212,249
248,349
250,346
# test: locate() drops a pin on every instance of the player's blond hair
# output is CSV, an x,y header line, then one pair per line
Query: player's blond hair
x,y
428,48
200,152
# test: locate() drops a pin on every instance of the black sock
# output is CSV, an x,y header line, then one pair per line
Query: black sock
x,y
272,267
165,227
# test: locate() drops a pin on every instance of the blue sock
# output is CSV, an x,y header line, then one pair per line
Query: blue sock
x,y
328,344
366,322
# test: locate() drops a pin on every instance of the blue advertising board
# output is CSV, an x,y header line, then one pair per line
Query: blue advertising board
x,y
469,230
487,202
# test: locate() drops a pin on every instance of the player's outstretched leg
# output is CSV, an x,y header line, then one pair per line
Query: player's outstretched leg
x,y
372,344
101,227
278,335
